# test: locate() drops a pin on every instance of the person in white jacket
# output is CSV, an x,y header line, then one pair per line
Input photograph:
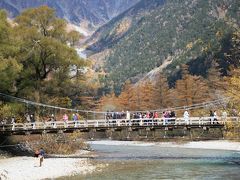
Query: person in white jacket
x,y
128,115
186,117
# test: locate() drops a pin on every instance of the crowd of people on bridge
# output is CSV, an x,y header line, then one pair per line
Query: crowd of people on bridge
x,y
138,115
166,117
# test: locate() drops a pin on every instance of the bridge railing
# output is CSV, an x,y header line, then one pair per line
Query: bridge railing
x,y
117,123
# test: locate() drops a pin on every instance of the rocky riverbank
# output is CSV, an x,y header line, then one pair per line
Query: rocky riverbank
x,y
24,168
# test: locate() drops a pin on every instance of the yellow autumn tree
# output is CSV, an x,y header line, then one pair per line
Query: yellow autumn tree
x,y
215,81
125,97
161,93
137,97
134,98
190,89
145,96
232,87
108,103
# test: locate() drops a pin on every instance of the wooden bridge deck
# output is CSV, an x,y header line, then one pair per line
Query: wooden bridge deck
x,y
114,124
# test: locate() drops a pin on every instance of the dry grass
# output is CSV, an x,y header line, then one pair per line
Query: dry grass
x,y
54,143
232,130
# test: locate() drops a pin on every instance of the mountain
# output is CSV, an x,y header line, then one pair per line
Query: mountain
x,y
158,35
92,12
110,33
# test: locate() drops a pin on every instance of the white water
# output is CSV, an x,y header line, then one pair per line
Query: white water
x,y
81,53
81,30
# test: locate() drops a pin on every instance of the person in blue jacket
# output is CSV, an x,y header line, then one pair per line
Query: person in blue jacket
x,y
41,156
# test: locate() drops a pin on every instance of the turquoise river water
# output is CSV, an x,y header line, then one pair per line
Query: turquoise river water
x,y
147,161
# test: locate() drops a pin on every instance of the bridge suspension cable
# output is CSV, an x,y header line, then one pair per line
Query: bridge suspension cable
x,y
202,105
193,106
21,100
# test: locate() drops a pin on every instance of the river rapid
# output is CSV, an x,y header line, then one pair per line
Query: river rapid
x,y
139,160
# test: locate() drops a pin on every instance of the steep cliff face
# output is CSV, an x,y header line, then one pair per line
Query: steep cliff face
x,y
94,12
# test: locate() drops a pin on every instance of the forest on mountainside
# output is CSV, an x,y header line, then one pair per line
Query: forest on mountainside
x,y
162,36
188,90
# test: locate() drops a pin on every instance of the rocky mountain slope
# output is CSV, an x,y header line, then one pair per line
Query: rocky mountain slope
x,y
158,35
117,28
93,13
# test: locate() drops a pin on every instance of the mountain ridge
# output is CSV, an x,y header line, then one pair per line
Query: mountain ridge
x,y
174,32
138,8
95,12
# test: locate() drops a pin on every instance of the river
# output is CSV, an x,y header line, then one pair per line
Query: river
x,y
81,53
131,160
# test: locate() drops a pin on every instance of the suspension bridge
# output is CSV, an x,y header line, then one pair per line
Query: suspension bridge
x,y
126,125
114,125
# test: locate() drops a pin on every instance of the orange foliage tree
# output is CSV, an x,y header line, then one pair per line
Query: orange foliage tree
x,y
190,89
108,103
161,93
